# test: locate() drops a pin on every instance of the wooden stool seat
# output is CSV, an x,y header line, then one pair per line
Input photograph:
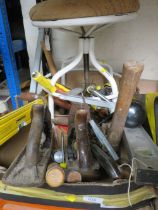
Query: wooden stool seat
x,y
52,10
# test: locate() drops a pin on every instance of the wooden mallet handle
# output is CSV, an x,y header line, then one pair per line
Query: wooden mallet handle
x,y
130,77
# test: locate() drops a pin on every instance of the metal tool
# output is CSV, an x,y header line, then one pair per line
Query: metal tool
x,y
143,155
106,162
71,153
29,168
59,156
103,140
83,143
86,163
89,100
136,115
52,90
75,91
94,92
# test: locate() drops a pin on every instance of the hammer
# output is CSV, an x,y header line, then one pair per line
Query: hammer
x,y
130,77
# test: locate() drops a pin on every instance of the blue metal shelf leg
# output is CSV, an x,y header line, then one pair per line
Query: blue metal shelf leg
x,y
6,50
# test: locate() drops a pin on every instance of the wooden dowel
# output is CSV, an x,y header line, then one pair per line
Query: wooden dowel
x,y
49,58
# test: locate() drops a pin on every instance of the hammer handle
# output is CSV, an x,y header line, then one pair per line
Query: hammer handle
x,y
130,77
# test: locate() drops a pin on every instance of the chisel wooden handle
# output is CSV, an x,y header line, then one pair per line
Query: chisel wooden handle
x,y
130,76
64,104
73,176
49,58
55,175
26,96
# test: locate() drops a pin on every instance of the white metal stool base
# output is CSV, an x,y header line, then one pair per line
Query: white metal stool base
x,y
86,46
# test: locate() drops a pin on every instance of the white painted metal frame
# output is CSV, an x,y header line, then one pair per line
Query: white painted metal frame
x,y
84,21
37,60
86,45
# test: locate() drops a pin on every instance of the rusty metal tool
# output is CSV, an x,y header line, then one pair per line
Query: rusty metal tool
x,y
143,155
91,89
107,163
71,128
131,74
87,165
83,144
29,168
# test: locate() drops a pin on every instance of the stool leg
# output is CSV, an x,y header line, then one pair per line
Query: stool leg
x,y
62,72
103,71
86,69
51,106
37,60
70,67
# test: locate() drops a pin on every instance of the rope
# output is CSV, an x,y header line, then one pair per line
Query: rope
x,y
131,174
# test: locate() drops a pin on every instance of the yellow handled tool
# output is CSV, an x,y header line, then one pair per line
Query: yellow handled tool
x,y
46,83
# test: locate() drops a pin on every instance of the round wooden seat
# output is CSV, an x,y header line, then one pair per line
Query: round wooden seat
x,y
52,10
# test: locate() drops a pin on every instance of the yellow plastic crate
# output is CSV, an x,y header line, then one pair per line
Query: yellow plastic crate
x,y
11,123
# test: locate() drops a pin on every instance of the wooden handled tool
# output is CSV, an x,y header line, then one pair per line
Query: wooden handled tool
x,y
83,143
61,120
64,104
34,138
49,58
26,96
55,175
131,74
73,176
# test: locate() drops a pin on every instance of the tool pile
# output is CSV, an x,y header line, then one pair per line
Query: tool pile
x,y
86,143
